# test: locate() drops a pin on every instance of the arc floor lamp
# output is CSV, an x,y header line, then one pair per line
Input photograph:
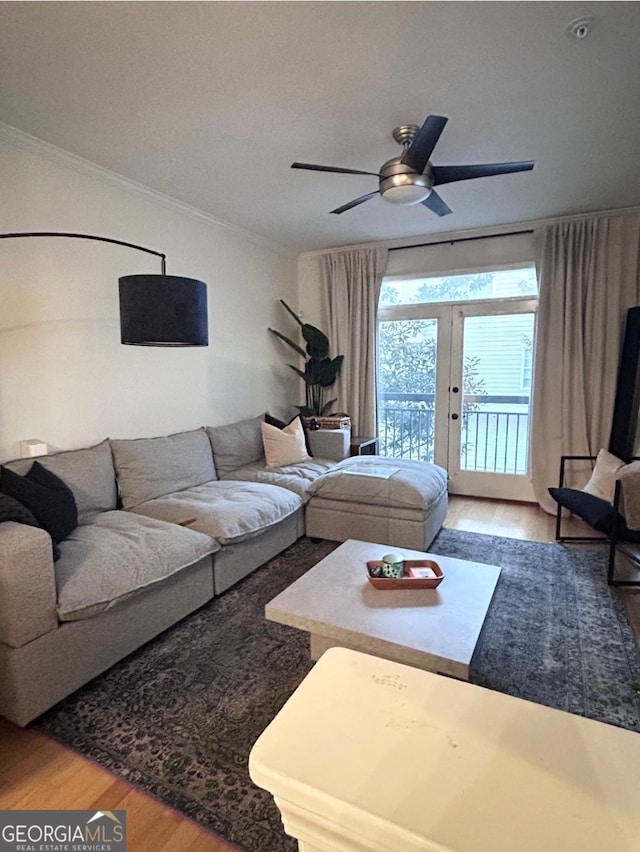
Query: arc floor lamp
x,y
155,310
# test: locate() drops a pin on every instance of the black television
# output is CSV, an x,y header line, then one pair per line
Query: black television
x,y
624,427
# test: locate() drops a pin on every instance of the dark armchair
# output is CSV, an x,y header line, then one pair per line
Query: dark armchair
x,y
602,516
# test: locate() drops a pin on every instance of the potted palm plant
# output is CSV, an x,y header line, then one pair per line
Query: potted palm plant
x,y
320,370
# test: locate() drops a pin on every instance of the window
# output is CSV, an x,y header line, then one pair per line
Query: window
x,y
455,359
497,284
527,366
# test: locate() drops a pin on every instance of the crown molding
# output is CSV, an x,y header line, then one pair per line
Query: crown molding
x,y
492,231
33,145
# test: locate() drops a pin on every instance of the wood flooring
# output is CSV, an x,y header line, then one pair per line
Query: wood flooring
x,y
38,772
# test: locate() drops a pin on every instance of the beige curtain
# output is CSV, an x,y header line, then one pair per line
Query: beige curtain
x,y
589,273
351,288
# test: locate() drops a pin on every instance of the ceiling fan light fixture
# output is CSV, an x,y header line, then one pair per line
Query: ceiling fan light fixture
x,y
406,194
400,184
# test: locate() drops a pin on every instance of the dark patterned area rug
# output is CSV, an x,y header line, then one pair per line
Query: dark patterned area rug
x,y
178,718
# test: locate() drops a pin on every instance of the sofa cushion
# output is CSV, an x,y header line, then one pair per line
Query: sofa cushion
x,y
236,444
227,511
151,467
295,477
88,472
117,555
404,483
46,495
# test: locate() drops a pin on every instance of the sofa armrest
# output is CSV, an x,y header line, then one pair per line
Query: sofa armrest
x,y
333,444
27,584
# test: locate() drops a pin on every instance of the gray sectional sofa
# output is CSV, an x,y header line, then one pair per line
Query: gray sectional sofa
x,y
164,524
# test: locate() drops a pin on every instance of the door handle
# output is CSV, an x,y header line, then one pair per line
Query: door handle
x,y
454,416
455,389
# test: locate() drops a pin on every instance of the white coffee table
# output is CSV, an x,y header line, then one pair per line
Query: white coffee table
x,y
432,629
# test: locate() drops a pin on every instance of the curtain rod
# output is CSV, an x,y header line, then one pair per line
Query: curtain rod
x,y
462,240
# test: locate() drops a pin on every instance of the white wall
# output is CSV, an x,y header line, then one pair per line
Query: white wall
x,y
310,290
64,376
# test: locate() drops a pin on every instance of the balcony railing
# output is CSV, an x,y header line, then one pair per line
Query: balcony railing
x,y
494,430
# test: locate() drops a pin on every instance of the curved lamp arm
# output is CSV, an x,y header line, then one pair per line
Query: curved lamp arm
x,y
88,237
155,310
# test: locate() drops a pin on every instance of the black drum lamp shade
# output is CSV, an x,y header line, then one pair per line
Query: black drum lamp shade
x,y
163,310
155,310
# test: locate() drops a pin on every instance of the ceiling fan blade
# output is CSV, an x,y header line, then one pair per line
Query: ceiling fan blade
x,y
418,153
314,168
355,202
436,204
449,174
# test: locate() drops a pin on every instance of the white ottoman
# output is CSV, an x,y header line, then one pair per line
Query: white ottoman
x,y
379,499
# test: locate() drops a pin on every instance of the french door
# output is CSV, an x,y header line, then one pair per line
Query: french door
x,y
454,388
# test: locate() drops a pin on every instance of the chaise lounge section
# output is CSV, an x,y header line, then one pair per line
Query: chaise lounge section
x,y
405,503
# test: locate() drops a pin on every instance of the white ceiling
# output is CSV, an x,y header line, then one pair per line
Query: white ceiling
x,y
211,102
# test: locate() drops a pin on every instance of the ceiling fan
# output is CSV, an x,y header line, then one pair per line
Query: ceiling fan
x,y
410,178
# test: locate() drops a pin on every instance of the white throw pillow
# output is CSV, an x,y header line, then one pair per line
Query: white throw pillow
x,y
284,446
603,479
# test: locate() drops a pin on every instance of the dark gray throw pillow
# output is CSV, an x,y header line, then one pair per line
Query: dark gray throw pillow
x,y
12,510
46,495
280,424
